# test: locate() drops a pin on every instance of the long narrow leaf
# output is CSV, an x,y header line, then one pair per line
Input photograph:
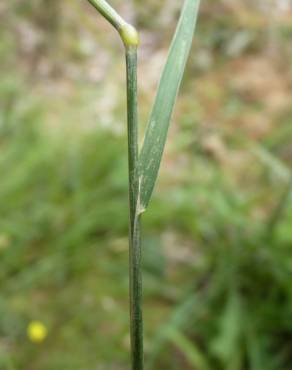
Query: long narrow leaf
x,y
192,353
160,116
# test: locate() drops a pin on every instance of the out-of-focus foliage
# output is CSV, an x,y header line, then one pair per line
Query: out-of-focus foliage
x,y
218,237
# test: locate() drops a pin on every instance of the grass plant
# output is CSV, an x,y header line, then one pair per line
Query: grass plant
x,y
144,165
217,241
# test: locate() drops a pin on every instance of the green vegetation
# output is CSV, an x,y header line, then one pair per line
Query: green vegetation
x,y
217,251
143,168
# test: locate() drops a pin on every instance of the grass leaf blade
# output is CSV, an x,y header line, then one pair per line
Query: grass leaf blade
x,y
156,132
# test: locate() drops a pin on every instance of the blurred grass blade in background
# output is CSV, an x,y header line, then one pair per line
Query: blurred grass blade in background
x,y
189,349
156,132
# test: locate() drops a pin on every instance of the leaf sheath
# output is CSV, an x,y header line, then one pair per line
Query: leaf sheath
x,y
134,232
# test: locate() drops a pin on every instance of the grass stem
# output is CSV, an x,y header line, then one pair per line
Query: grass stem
x,y
130,39
134,232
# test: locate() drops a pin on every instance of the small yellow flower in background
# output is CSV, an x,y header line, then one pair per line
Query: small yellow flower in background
x,y
4,241
37,331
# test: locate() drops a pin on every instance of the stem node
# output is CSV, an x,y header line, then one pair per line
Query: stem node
x,y
129,35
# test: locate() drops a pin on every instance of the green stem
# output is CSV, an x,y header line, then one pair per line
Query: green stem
x,y
127,32
130,39
108,12
134,232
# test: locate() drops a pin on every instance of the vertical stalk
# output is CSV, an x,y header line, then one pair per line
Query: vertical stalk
x,y
130,39
135,283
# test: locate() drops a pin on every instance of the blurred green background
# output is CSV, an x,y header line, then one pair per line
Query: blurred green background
x,y
217,249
